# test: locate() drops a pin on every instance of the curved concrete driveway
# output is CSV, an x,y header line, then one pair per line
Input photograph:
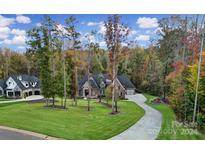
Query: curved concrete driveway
x,y
147,128
27,99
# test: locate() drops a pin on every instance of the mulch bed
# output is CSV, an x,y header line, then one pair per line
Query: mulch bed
x,y
160,101
114,113
41,101
55,106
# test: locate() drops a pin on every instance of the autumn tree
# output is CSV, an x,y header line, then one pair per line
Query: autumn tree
x,y
171,33
115,34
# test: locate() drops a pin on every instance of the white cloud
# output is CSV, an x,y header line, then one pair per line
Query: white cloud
x,y
6,21
102,44
124,44
91,38
147,22
38,24
61,29
16,40
149,32
132,33
87,37
23,19
4,32
142,38
18,32
94,23
20,40
102,29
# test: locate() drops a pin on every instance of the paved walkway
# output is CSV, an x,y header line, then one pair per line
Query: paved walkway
x,y
7,133
30,98
147,128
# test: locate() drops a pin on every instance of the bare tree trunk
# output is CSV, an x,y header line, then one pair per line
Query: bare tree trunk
x,y
47,101
113,83
64,78
76,79
8,60
53,101
28,67
89,88
100,99
198,78
164,82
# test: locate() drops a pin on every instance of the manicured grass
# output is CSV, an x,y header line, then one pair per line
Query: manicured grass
x,y
4,99
171,129
74,123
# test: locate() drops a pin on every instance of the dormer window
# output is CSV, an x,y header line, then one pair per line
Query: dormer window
x,y
26,84
33,84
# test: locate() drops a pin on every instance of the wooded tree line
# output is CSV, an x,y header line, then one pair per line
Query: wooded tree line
x,y
167,68
170,67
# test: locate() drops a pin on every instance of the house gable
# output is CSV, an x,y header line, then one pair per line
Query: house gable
x,y
120,84
125,82
10,83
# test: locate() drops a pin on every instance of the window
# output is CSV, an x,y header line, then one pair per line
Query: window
x,y
17,93
26,84
33,84
37,92
10,93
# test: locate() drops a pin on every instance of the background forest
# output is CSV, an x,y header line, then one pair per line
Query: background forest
x,y
168,68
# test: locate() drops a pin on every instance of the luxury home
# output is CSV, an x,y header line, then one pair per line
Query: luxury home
x,y
99,82
19,86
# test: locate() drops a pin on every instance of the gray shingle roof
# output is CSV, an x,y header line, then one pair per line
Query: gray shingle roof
x,y
123,79
24,77
126,83
93,84
2,84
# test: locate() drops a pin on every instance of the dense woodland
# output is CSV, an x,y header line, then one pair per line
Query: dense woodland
x,y
168,68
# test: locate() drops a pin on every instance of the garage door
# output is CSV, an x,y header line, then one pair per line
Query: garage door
x,y
130,92
37,92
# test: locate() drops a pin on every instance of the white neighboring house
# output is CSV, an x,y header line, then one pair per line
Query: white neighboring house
x,y
19,86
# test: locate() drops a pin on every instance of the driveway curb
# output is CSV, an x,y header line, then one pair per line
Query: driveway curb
x,y
44,137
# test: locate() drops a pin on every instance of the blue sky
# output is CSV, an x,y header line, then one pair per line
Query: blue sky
x,y
13,27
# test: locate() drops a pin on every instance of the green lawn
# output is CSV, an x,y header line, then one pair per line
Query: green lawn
x,y
74,123
171,129
4,99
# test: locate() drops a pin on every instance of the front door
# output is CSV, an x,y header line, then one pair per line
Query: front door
x,y
86,92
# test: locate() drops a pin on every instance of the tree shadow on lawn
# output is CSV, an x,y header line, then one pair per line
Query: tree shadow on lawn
x,y
8,104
